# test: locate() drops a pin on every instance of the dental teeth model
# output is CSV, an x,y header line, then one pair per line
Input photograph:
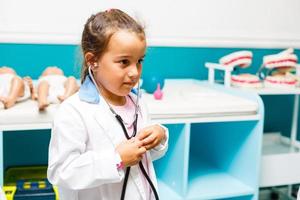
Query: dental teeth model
x,y
241,59
246,81
280,81
279,67
286,58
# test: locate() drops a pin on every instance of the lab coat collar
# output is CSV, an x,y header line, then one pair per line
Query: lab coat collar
x,y
89,93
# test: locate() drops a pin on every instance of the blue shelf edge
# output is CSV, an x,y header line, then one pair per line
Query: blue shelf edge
x,y
217,185
166,193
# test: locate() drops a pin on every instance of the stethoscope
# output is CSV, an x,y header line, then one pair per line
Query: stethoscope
x,y
121,122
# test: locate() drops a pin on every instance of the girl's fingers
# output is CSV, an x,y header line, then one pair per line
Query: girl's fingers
x,y
148,140
144,133
151,145
138,143
148,147
142,150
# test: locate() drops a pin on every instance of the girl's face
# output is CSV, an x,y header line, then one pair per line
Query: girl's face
x,y
119,68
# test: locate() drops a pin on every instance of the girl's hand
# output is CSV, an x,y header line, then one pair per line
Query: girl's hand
x,y
151,136
131,151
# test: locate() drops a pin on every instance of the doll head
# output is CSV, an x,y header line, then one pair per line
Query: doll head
x,y
7,70
52,70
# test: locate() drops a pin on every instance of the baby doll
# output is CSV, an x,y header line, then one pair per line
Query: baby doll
x,y
54,87
13,88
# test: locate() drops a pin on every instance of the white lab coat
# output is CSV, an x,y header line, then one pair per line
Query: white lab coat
x,y
2,195
82,153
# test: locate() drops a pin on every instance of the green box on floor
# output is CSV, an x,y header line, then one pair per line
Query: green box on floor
x,y
28,183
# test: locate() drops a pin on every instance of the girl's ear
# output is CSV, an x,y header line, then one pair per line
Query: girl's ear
x,y
93,66
89,59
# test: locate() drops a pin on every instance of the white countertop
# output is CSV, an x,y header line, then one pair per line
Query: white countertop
x,y
184,100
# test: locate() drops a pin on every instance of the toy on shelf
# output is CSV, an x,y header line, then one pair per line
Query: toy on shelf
x,y
280,81
246,81
151,82
230,62
13,88
279,70
54,87
158,94
286,58
27,183
241,59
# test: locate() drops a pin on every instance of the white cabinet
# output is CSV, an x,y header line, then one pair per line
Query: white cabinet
x,y
281,157
215,141
214,145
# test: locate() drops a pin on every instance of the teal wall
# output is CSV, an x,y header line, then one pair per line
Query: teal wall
x,y
169,62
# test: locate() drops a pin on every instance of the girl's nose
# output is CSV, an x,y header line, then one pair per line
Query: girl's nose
x,y
133,72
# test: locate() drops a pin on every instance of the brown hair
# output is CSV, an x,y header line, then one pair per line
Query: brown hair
x,y
98,30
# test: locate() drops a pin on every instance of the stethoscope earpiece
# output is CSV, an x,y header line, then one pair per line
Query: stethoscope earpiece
x,y
92,66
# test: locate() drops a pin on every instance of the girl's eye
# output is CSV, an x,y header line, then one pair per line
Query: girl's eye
x,y
141,61
124,62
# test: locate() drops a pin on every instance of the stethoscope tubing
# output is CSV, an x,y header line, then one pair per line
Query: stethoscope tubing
x,y
120,120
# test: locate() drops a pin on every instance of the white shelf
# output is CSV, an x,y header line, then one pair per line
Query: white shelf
x,y
273,91
202,119
274,143
24,127
26,116
195,101
185,101
280,162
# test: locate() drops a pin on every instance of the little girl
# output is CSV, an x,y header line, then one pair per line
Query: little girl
x,y
101,145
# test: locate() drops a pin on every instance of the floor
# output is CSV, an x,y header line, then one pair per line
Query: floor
x,y
278,193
